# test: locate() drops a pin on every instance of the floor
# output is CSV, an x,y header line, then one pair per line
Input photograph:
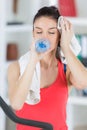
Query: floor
x,y
11,126
81,128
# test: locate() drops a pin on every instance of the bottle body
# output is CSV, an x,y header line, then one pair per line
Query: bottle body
x,y
42,45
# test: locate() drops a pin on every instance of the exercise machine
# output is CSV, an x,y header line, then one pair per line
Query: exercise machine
x,y
9,112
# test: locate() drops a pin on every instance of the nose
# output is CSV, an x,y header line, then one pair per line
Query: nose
x,y
45,36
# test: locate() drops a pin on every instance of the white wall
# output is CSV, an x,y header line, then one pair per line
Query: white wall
x,y
81,7
26,11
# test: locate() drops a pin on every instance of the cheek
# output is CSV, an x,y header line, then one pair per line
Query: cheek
x,y
36,37
54,42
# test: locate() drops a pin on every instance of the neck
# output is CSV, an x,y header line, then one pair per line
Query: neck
x,y
48,61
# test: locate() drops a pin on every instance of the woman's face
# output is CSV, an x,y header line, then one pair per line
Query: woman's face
x,y
46,28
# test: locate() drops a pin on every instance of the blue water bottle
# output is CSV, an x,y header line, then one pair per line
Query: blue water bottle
x,y
42,45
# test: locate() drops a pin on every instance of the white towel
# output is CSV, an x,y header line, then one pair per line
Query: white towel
x,y
33,96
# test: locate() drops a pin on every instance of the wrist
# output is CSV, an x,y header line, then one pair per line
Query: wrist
x,y
65,48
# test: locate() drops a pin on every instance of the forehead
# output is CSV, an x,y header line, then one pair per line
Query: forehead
x,y
46,22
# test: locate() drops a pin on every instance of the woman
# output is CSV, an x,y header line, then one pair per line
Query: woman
x,y
54,83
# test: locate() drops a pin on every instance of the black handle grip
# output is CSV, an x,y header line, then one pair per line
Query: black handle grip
x,y
8,111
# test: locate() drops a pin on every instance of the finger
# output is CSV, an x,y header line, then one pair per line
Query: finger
x,y
67,25
62,25
71,27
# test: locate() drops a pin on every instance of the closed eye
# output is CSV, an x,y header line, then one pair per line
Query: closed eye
x,y
38,32
51,32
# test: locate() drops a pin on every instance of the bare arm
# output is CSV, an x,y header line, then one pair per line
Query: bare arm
x,y
19,87
78,73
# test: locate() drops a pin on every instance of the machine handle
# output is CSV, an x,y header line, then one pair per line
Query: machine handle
x,y
8,111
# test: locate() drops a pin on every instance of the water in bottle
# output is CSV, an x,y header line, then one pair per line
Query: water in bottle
x,y
42,45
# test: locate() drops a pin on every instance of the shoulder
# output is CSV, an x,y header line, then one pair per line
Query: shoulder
x,y
13,72
15,66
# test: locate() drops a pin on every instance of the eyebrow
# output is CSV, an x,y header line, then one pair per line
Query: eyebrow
x,y
53,28
38,27
49,28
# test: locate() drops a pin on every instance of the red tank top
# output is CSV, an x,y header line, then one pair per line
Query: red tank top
x,y
52,107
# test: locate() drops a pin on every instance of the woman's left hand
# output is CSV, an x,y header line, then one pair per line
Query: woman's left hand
x,y
66,34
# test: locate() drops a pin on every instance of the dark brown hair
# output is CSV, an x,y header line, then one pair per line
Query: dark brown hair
x,y
47,11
